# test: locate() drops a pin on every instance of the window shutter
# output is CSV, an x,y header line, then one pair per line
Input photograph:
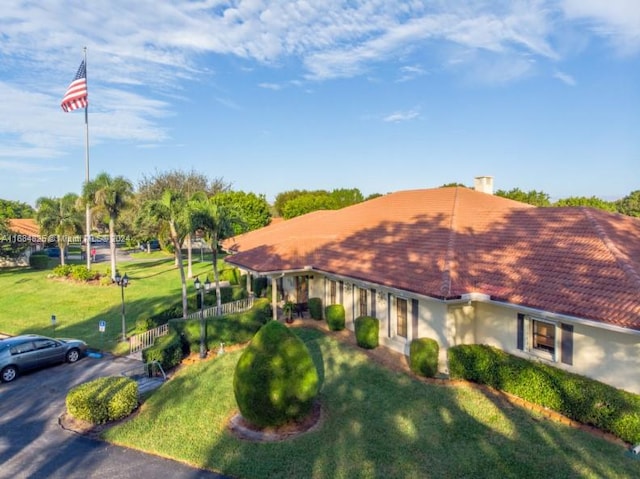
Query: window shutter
x,y
373,303
520,334
566,344
414,317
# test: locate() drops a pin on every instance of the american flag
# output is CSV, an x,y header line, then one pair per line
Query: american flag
x,y
76,95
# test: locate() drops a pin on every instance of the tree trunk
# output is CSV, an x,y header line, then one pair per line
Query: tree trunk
x,y
112,246
216,277
176,244
189,262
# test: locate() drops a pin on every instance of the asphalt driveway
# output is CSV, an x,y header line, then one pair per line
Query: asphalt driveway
x,y
33,445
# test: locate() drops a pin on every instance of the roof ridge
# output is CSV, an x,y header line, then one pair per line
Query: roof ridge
x,y
620,258
445,288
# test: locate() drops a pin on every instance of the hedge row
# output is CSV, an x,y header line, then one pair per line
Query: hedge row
x,y
103,399
184,335
577,397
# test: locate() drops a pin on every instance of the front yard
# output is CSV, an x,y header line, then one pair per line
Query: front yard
x,y
376,423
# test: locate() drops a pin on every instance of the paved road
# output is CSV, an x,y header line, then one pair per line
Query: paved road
x,y
34,446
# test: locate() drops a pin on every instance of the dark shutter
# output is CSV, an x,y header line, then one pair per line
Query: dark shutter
x,y
566,344
373,303
341,289
520,334
414,318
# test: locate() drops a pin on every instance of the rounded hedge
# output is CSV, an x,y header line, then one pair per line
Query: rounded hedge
x,y
275,380
315,308
367,332
423,356
39,260
103,399
335,317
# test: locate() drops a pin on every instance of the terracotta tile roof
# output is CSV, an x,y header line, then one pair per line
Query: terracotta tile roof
x,y
26,226
446,242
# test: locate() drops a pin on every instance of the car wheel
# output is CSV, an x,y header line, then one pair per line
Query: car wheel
x,y
9,374
73,355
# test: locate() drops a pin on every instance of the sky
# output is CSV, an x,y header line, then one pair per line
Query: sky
x,y
270,96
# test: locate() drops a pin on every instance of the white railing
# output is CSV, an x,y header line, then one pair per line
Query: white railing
x,y
226,308
141,341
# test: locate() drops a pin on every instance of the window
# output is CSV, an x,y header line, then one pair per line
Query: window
x,y
543,337
362,302
401,317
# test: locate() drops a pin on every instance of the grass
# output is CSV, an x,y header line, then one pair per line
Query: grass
x,y
28,298
376,423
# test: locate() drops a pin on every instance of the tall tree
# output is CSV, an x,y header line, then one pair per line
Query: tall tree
x,y
187,183
15,209
217,223
252,209
108,196
533,197
170,210
592,202
60,217
630,204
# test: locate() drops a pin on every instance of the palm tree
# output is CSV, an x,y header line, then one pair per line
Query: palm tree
x,y
171,210
109,196
217,223
60,217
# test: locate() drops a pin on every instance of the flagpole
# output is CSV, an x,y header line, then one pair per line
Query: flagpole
x,y
86,161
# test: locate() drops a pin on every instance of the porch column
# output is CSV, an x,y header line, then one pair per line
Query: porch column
x,y
274,297
249,284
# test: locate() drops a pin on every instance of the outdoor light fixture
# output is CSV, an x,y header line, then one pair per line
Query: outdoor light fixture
x,y
122,281
199,288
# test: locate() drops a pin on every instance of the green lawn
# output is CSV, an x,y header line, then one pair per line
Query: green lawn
x,y
28,298
376,423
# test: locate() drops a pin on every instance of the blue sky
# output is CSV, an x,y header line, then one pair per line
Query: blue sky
x,y
380,95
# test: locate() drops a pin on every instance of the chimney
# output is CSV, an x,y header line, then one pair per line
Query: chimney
x,y
483,184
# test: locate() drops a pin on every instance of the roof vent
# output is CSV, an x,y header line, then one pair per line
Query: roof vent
x,y
483,184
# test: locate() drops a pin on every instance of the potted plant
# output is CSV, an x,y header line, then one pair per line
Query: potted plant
x,y
287,310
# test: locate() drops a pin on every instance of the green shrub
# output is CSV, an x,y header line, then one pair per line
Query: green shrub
x,y
335,317
423,356
144,324
62,270
167,350
230,274
367,332
39,260
103,399
577,397
275,380
229,329
79,272
315,308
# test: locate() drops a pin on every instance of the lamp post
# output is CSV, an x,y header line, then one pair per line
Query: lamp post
x,y
200,289
122,281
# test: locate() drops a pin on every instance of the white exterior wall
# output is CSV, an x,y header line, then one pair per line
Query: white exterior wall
x,y
607,356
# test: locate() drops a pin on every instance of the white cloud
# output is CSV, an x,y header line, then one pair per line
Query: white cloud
x,y
399,116
270,86
565,78
617,20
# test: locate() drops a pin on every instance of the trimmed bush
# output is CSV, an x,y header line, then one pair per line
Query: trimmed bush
x,y
275,380
103,399
367,332
79,272
230,274
62,270
577,397
423,356
39,260
315,308
335,317
167,350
